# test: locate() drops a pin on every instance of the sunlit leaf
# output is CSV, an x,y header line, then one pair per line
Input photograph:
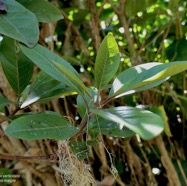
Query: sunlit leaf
x,y
107,61
161,112
72,79
44,87
143,122
99,125
55,66
145,76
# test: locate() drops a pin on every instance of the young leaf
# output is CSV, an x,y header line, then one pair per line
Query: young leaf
x,y
16,23
41,126
107,61
144,76
72,79
44,87
90,102
55,66
43,10
18,68
143,122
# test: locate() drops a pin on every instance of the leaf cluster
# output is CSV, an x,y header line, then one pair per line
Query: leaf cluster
x,y
19,52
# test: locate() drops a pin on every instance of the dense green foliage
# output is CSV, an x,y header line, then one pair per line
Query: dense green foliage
x,y
119,71
107,62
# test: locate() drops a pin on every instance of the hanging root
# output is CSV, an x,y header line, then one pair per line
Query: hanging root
x,y
73,171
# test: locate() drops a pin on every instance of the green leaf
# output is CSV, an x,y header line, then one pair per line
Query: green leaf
x,y
45,11
107,61
81,106
144,76
48,62
41,126
44,87
18,68
143,122
98,125
4,102
162,113
89,100
19,23
80,149
72,79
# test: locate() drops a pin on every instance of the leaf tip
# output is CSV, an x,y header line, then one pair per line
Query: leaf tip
x,y
110,34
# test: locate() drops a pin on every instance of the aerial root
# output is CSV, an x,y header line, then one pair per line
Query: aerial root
x,y
73,171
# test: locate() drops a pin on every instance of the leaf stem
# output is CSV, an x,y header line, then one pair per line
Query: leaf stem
x,y
4,118
15,111
81,127
104,102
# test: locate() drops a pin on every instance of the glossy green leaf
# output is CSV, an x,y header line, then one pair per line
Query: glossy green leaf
x,y
81,106
107,61
162,113
44,87
16,23
18,68
72,79
44,11
4,102
144,76
98,125
143,122
89,100
48,62
41,126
